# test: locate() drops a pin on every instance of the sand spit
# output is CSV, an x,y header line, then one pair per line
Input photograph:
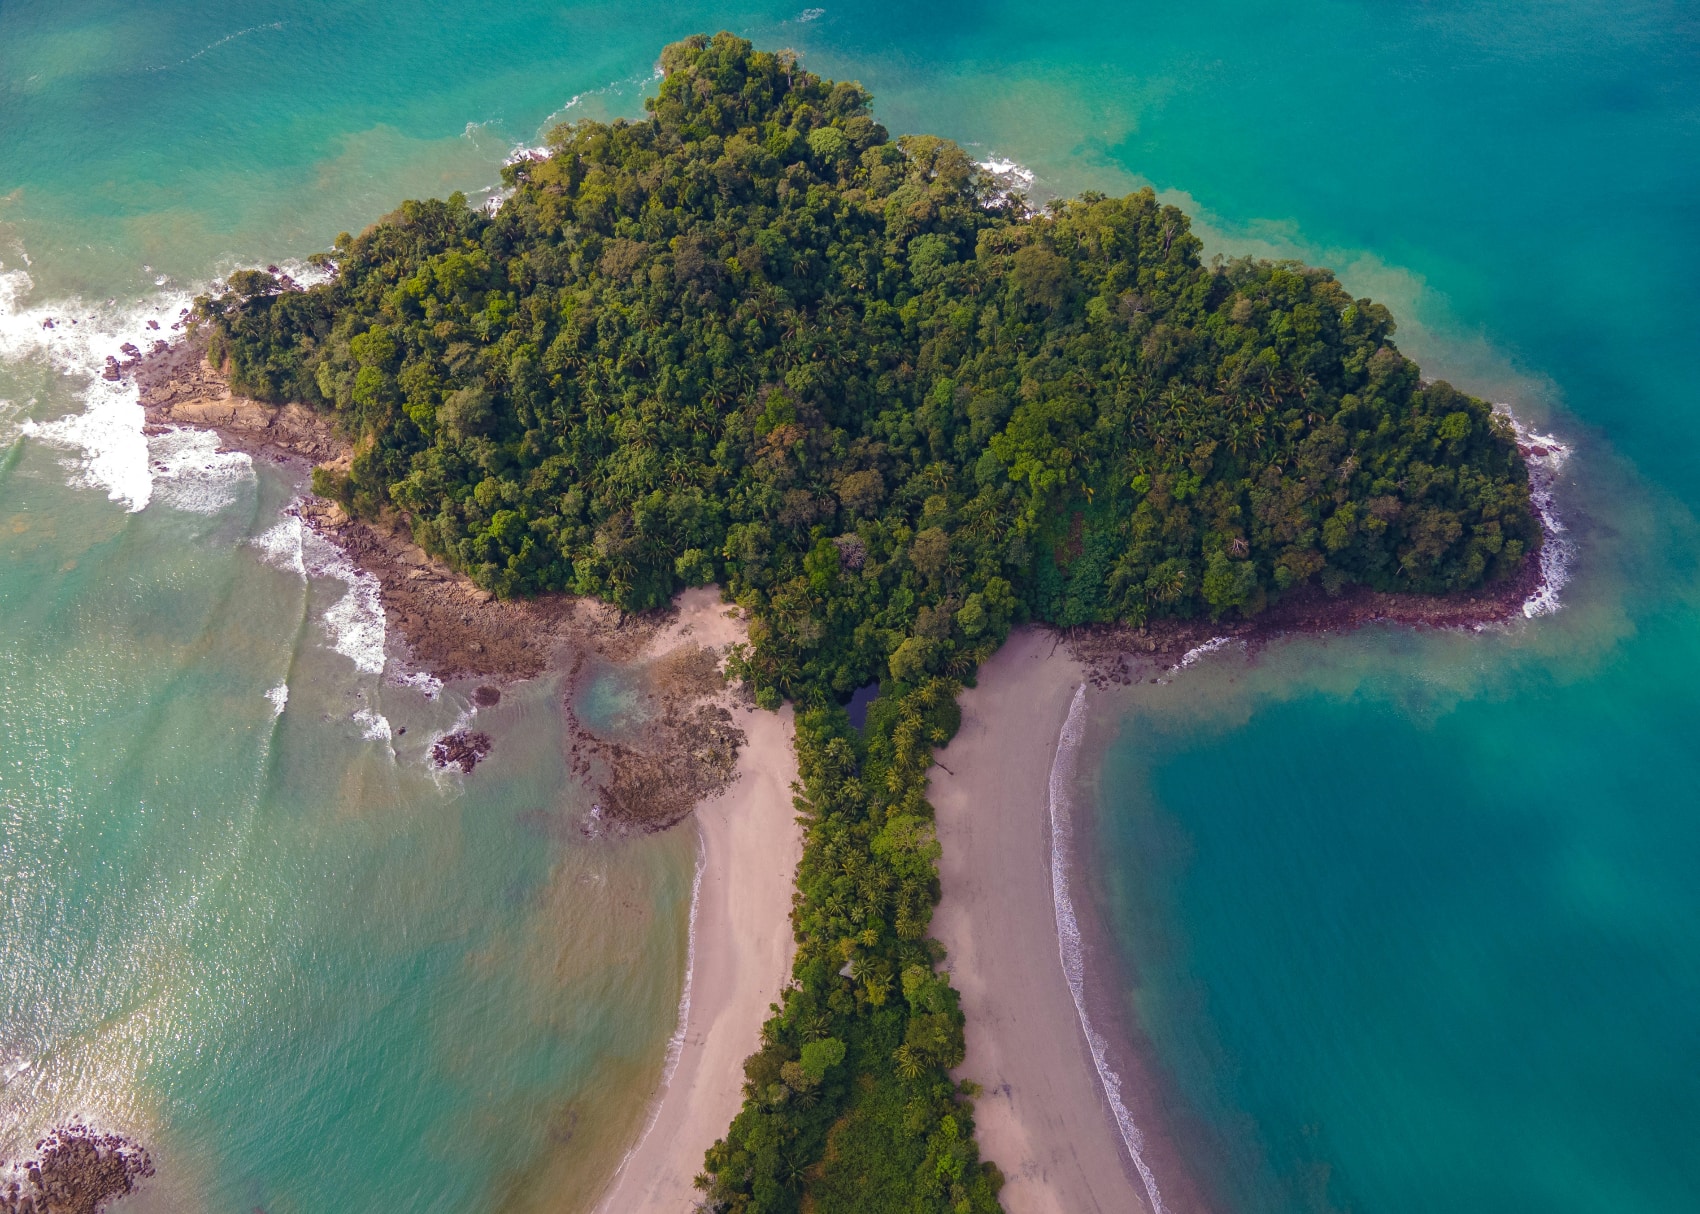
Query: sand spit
x,y
741,946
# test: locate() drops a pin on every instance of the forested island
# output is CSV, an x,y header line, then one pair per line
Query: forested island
x,y
753,340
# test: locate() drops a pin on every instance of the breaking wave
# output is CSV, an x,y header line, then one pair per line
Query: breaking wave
x,y
1069,944
1545,457
354,625
181,468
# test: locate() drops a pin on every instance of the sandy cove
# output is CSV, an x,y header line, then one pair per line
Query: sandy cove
x,y
742,946
1043,1117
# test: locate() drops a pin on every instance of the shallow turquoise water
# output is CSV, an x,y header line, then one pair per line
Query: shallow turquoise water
x,y
1407,914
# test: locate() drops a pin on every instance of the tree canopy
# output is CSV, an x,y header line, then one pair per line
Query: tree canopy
x,y
753,339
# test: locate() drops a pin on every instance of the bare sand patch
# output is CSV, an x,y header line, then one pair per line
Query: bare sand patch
x,y
1043,1116
741,956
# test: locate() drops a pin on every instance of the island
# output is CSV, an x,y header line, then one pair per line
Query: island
x,y
753,341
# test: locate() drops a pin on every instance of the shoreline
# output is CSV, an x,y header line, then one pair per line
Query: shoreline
x,y
702,751
1044,1116
1071,945
456,629
739,953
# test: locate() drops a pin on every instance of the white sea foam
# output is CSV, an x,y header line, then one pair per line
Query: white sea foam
x,y
374,726
75,338
428,685
281,544
615,87
676,1043
1011,178
279,696
1069,942
213,46
810,14
355,622
999,167
1198,651
1545,457
1192,656
189,472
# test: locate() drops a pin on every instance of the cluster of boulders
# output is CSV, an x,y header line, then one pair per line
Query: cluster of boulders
x,y
76,1171
117,369
463,749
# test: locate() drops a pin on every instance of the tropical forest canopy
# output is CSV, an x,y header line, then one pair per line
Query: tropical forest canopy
x,y
752,339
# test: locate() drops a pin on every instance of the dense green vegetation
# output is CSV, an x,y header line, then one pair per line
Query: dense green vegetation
x,y
751,339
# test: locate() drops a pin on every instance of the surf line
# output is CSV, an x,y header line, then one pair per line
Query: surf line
x,y
1069,943
675,1043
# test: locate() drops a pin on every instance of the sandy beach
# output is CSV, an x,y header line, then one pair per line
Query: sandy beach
x,y
742,945
1043,1116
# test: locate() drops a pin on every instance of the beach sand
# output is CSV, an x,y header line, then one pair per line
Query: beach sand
x,y
742,946
1043,1117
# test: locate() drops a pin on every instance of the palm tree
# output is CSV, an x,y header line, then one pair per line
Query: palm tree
x,y
908,1065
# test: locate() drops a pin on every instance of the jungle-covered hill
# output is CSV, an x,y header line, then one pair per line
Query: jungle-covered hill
x,y
752,339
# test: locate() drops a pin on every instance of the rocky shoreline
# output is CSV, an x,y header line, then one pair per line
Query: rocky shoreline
x,y
455,629
75,1170
1116,654
645,779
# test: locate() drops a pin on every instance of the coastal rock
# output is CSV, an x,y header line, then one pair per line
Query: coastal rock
x,y
463,749
76,1170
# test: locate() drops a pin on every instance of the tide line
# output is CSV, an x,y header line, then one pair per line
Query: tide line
x,y
675,1043
1069,943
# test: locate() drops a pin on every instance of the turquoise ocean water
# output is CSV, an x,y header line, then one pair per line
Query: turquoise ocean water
x,y
1408,921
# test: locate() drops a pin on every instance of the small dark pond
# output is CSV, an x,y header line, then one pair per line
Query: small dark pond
x,y
859,701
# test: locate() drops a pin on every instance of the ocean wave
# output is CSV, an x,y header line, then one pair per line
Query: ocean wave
x,y
427,685
354,623
1069,944
1545,456
281,545
190,473
213,46
615,87
75,338
675,1043
1011,178
279,696
181,469
1192,656
1198,651
374,725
